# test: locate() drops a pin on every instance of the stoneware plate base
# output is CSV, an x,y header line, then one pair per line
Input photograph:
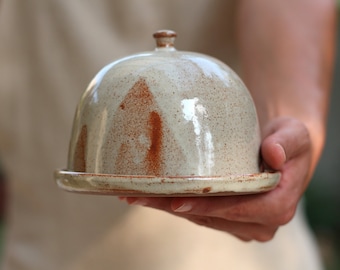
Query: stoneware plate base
x,y
151,186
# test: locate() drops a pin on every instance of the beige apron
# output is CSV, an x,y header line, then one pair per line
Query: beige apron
x,y
49,52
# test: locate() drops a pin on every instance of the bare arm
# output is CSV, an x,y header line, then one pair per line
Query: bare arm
x,y
287,51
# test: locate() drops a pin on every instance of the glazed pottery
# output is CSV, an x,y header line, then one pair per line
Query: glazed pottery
x,y
165,123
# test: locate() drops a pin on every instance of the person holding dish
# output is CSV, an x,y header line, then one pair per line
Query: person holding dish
x,y
50,50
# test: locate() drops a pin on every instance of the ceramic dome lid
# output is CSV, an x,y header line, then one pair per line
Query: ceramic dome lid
x,y
165,114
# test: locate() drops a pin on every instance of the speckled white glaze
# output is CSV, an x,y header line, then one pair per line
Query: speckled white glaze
x,y
166,112
108,184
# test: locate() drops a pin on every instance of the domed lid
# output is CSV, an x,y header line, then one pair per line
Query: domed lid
x,y
164,118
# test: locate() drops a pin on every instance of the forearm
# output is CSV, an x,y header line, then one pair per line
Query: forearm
x,y
287,54
286,50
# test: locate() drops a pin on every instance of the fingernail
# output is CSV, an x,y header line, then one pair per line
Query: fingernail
x,y
137,201
185,207
283,152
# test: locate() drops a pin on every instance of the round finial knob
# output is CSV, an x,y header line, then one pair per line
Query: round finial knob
x,y
165,38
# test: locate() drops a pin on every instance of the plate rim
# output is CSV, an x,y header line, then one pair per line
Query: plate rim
x,y
168,186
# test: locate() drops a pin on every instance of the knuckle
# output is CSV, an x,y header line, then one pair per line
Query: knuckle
x,y
283,215
266,236
236,212
286,216
203,221
243,238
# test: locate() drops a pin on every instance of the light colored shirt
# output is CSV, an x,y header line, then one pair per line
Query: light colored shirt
x,y
49,52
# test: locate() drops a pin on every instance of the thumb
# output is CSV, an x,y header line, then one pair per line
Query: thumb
x,y
288,139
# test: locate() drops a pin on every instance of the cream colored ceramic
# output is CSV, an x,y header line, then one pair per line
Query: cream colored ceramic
x,y
166,186
166,123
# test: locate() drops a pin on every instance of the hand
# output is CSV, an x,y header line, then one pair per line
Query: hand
x,y
286,147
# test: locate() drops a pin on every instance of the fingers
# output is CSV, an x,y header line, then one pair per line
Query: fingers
x,y
266,209
246,231
157,203
286,139
243,231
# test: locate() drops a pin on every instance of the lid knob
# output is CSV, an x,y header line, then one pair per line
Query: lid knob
x,y
165,38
